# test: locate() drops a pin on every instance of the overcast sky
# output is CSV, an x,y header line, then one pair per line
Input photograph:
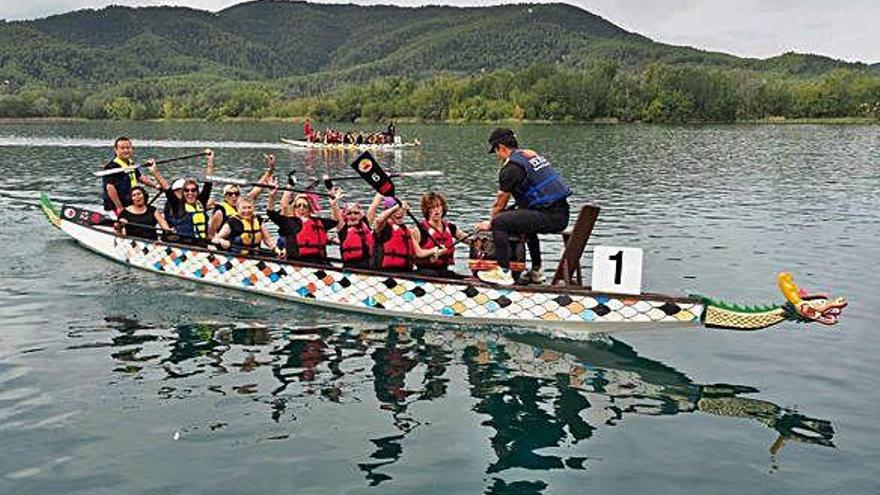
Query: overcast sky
x,y
846,29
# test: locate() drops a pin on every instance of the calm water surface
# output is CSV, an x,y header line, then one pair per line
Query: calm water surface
x,y
114,380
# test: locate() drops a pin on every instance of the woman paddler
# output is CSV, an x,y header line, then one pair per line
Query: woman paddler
x,y
305,235
140,219
245,231
437,232
186,206
395,250
231,193
356,240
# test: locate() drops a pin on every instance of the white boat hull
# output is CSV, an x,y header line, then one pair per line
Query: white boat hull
x,y
566,313
354,147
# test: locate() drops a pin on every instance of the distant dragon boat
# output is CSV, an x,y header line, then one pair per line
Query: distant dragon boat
x,y
564,308
349,146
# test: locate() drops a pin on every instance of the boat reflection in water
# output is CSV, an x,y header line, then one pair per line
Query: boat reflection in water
x,y
535,393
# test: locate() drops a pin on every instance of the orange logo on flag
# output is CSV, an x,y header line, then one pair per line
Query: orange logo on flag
x,y
365,165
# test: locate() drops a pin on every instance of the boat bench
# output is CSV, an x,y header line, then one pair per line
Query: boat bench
x,y
568,271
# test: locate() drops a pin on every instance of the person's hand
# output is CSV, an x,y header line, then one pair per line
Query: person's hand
x,y
273,185
483,226
404,206
336,194
209,156
438,250
270,162
151,164
224,243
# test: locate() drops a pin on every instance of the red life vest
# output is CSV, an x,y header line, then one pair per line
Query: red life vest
x,y
357,242
397,252
311,240
430,238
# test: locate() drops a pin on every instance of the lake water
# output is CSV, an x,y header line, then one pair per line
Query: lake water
x,y
114,380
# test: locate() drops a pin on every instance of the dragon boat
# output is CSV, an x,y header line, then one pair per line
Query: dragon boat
x,y
348,146
564,308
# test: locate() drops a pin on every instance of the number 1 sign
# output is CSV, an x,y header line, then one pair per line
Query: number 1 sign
x,y
617,269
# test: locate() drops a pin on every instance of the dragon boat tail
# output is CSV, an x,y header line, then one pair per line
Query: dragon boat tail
x,y
564,308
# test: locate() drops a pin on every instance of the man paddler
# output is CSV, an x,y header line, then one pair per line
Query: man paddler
x,y
540,207
117,187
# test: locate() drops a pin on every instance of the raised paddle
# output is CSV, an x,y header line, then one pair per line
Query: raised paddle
x,y
369,169
119,170
242,182
326,178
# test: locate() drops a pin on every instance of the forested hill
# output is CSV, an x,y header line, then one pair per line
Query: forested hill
x,y
282,58
274,39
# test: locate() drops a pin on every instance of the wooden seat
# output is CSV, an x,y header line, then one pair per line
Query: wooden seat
x,y
575,240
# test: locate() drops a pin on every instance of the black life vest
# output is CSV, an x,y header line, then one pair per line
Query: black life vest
x,y
249,236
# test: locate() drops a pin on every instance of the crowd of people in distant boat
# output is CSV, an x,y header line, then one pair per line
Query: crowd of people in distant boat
x,y
336,136
371,239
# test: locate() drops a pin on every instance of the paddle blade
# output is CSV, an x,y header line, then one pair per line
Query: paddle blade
x,y
368,168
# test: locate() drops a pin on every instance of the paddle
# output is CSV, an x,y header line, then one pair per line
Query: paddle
x,y
119,170
242,182
329,180
369,169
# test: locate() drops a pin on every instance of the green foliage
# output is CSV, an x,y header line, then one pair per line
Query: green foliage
x,y
346,62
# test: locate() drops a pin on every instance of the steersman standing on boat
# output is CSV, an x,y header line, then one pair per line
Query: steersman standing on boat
x,y
540,207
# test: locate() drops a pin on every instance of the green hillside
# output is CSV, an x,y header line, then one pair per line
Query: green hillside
x,y
283,58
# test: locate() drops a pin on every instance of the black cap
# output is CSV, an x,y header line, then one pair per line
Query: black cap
x,y
503,136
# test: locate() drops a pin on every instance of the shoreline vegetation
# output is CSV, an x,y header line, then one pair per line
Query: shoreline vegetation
x,y
605,92
842,121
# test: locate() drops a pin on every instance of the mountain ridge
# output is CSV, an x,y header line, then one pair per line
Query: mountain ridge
x,y
271,39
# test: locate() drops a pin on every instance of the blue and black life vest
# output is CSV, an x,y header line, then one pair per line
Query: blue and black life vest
x,y
193,223
542,186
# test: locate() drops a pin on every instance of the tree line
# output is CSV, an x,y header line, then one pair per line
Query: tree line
x,y
656,93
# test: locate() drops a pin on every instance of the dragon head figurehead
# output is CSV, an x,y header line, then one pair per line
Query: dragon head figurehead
x,y
810,307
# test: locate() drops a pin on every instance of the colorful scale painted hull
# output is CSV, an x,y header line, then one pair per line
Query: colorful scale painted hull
x,y
565,312
355,147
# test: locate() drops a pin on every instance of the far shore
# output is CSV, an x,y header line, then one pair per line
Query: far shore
x,y
416,120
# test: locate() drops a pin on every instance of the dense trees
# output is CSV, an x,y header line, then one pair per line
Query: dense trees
x,y
658,94
551,62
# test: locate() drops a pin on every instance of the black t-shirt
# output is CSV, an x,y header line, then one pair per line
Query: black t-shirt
x,y
511,177
121,181
144,220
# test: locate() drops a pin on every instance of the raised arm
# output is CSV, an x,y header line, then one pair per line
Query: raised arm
x,y
264,179
374,207
273,190
154,169
335,213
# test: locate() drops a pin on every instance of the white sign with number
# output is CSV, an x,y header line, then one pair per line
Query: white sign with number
x,y
617,269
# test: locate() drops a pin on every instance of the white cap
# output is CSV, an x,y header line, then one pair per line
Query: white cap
x,y
178,184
